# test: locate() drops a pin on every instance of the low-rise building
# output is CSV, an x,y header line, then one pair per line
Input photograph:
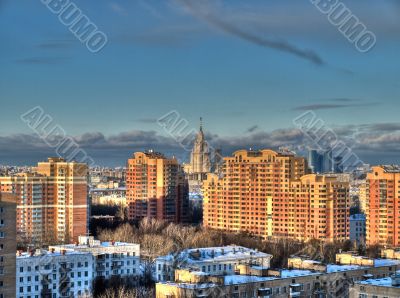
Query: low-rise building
x,y
390,253
110,258
54,274
385,287
358,232
210,260
329,280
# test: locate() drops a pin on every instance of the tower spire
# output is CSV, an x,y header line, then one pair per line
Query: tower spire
x,y
201,123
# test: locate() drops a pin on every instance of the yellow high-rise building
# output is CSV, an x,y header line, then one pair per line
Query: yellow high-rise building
x,y
270,194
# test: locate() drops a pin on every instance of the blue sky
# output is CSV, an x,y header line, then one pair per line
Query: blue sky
x,y
164,56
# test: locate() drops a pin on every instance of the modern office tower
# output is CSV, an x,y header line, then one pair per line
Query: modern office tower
x,y
268,193
323,162
52,201
156,187
383,205
315,161
8,244
327,162
338,166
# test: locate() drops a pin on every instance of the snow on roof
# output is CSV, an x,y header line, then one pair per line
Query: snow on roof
x,y
331,268
243,279
296,273
385,262
381,282
225,253
46,253
189,285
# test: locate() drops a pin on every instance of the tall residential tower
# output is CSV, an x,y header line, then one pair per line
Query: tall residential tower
x,y
52,201
156,187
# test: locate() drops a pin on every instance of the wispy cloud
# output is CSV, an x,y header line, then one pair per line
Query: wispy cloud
x,y
117,8
335,103
42,60
56,44
205,12
252,128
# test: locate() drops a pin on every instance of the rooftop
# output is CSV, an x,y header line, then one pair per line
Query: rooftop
x,y
231,252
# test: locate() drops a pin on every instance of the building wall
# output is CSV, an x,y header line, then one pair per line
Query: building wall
x,y
327,284
357,228
8,244
269,194
156,188
54,274
383,207
366,291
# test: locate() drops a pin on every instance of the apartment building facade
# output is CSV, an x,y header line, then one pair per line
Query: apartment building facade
x,y
156,187
329,280
383,206
270,194
8,244
54,274
210,260
52,201
109,258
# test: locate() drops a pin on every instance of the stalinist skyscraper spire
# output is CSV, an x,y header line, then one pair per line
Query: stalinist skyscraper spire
x,y
200,163
200,156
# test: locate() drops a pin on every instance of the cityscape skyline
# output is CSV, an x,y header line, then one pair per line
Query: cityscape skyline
x,y
199,69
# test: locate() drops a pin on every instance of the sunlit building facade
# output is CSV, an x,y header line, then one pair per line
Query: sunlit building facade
x,y
383,205
271,194
52,201
156,187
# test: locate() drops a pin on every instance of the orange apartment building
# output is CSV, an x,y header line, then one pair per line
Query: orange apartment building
x,y
52,201
383,205
270,194
156,188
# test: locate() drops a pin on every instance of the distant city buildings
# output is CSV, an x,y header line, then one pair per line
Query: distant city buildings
x,y
52,201
8,244
324,162
156,187
383,206
268,194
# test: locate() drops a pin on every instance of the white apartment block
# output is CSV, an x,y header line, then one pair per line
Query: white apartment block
x,y
210,260
54,274
110,258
